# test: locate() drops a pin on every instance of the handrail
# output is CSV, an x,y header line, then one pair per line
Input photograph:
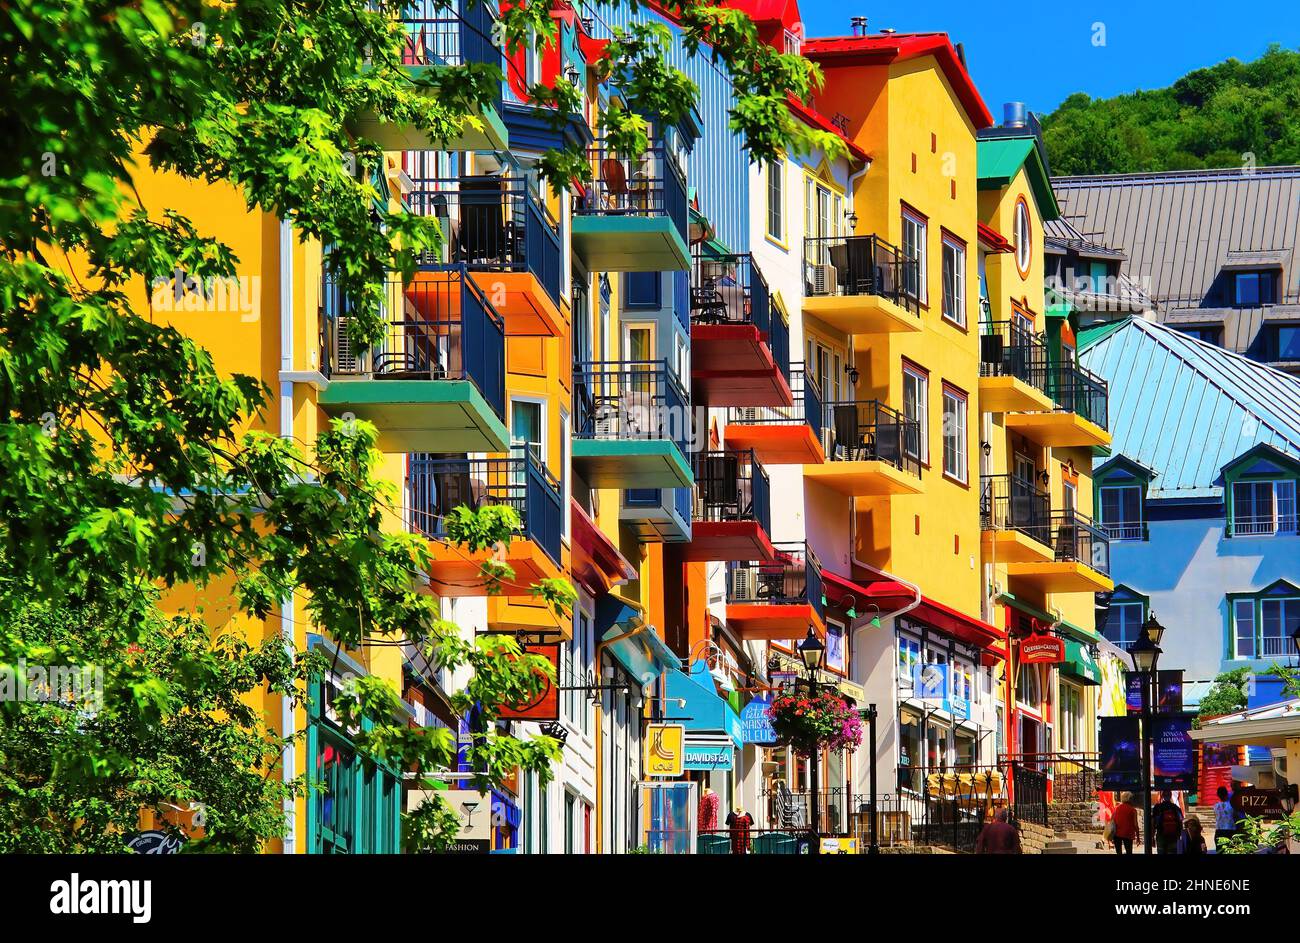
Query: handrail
x,y
860,265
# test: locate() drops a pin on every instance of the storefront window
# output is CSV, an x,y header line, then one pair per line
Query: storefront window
x,y
966,742
909,750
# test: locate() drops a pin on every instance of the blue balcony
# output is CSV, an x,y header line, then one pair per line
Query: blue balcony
x,y
500,231
657,515
781,435
435,380
740,343
441,37
632,425
633,215
436,486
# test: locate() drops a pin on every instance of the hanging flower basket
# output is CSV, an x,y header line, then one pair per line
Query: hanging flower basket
x,y
809,723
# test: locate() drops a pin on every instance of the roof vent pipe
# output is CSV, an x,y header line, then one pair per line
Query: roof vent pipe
x,y
859,24
1014,115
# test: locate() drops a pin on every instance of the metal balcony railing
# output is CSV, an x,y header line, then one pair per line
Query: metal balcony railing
x,y
1125,530
1079,391
806,410
731,486
731,289
443,328
436,486
868,430
1076,539
860,265
1009,503
491,224
1008,349
1265,524
652,185
630,399
450,32
794,577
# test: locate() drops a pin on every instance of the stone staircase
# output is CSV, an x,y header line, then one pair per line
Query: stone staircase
x,y
1034,838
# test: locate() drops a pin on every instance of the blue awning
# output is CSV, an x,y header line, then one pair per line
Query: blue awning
x,y
704,710
644,654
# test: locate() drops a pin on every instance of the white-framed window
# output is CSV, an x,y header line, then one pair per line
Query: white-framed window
x,y
1262,627
793,43
909,656
1121,511
955,459
916,408
1023,237
914,256
1263,508
1123,622
954,281
776,201
1072,717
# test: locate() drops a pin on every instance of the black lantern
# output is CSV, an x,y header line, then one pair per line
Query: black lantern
x,y
1153,629
810,650
852,370
1145,653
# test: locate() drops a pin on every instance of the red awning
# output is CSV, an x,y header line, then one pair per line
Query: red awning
x,y
597,563
993,240
887,595
960,626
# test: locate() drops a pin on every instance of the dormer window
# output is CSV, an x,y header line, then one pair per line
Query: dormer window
x,y
1121,511
1252,289
1263,508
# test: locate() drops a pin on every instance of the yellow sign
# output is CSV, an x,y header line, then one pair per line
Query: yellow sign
x,y
665,749
839,846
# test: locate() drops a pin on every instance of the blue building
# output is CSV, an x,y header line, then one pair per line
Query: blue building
x,y
1198,496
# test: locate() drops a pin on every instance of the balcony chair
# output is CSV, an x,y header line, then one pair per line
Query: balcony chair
x,y
720,485
484,237
848,436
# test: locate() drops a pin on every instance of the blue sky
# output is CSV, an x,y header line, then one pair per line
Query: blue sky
x,y
1041,52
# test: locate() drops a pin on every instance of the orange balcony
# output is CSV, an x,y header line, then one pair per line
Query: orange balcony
x,y
778,599
781,435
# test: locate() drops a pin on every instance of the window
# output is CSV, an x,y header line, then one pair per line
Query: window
x,y
1207,333
792,43
1023,237
776,201
916,399
914,263
1072,703
1121,511
1251,289
909,656
1263,508
954,281
954,434
526,428
1263,625
1285,342
642,290
1123,622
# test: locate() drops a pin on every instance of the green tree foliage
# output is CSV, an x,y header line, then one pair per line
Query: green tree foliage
x,y
1228,694
126,461
1233,114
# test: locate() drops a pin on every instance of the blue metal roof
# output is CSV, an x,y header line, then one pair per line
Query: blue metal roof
x,y
1185,408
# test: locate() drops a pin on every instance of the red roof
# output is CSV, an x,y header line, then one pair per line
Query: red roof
x,y
785,12
884,48
993,240
815,119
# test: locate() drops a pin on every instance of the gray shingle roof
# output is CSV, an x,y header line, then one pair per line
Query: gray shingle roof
x,y
1178,228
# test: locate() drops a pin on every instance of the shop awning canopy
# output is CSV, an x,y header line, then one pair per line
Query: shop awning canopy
x,y
886,595
1080,663
960,626
597,563
703,711
636,645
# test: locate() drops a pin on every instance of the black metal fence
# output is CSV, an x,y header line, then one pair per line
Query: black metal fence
x,y
1011,503
440,327
731,289
1071,776
1076,539
794,577
652,185
449,33
630,399
868,430
1079,391
437,486
492,224
731,486
806,409
1011,349
860,265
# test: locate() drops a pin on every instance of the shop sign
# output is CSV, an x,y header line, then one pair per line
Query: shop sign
x,y
473,809
1119,742
1169,691
1173,752
545,706
1262,803
931,682
839,846
959,707
1042,650
755,722
709,755
155,843
665,749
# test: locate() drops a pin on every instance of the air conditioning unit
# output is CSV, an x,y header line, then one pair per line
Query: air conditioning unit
x,y
741,584
606,421
345,359
824,278
748,414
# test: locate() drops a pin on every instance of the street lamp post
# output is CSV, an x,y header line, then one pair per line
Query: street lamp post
x,y
874,847
1145,651
811,650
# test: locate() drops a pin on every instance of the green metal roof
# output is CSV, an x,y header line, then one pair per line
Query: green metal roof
x,y
998,160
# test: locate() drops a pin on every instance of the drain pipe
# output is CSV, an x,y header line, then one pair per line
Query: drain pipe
x,y
288,627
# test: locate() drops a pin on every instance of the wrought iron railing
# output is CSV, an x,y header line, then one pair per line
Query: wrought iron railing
x,y
731,486
731,289
630,399
437,486
945,806
455,33
806,410
1073,775
1125,530
1263,525
1009,503
441,327
652,185
491,224
1009,349
794,577
868,430
1079,391
860,265
1076,539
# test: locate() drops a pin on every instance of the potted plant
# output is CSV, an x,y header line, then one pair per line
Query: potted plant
x,y
813,722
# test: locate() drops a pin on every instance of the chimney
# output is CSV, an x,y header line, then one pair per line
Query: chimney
x,y
1014,115
859,24
961,54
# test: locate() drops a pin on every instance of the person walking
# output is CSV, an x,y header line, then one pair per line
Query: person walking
x,y
998,837
1191,842
1166,824
1225,819
1125,821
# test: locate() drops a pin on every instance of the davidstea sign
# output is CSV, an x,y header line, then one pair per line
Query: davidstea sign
x,y
708,756
756,723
